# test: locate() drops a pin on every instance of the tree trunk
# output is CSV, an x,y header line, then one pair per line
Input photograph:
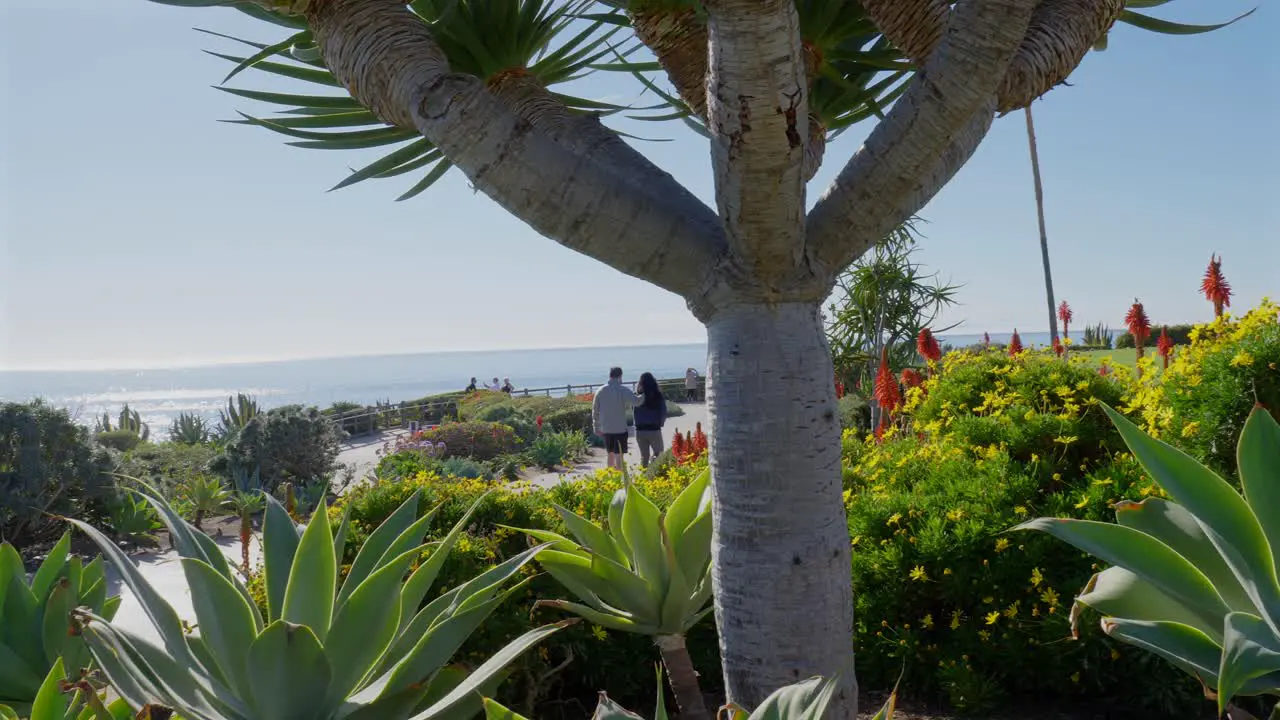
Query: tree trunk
x,y
1044,235
780,559
682,676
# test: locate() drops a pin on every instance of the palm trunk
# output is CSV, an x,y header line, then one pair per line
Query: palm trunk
x,y
1044,235
682,676
781,555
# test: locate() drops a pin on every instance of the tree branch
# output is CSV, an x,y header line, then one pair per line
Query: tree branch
x,y
892,170
758,115
566,176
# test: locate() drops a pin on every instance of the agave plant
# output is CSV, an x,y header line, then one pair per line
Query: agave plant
x,y
649,573
322,649
86,701
240,410
1194,580
135,520
129,420
35,619
189,429
200,496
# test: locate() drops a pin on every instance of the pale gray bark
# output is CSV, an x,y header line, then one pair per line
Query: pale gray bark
x,y
758,115
959,80
1044,234
653,229
781,553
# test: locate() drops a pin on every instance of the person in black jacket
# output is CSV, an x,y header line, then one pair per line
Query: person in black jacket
x,y
650,416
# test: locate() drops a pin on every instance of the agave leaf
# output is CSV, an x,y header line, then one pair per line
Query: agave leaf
x,y
365,627
1184,646
50,703
379,541
56,623
675,604
607,709
575,574
288,670
610,620
279,546
53,565
492,711
308,597
340,535
1117,592
1249,651
1142,554
806,700
1258,458
1172,525
8,713
693,549
555,541
420,582
227,626
686,507
591,535
17,678
641,523
1225,515
490,668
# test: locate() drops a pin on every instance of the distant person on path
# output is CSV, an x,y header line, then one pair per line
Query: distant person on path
x,y
507,387
609,416
495,386
651,415
472,387
691,385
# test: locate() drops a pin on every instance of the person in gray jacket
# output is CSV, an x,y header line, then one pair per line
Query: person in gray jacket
x,y
609,416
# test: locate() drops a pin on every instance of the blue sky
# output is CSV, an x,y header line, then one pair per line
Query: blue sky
x,y
137,231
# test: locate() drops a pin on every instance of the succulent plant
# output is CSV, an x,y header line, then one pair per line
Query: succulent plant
x,y
362,648
128,420
1193,580
35,618
189,429
240,410
648,573
86,701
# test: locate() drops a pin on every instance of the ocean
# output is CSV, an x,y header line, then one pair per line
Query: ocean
x,y
160,394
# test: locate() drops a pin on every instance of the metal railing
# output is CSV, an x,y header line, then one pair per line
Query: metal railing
x,y
370,419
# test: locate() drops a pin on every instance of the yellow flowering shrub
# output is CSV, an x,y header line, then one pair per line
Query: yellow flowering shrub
x,y
1201,401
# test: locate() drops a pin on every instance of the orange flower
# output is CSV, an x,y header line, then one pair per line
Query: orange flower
x,y
1139,325
887,393
912,378
927,346
1215,287
1164,346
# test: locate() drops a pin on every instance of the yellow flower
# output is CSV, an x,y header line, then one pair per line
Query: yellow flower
x,y
1049,596
1190,428
1012,610
956,615
1036,577
1065,439
918,574
1002,544
894,519
955,515
1242,359
946,571
599,633
993,617
1084,500
1020,510
926,622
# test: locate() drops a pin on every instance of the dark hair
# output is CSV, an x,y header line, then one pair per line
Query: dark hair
x,y
615,372
651,392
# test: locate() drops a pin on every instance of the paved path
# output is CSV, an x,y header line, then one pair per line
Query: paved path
x,y
362,452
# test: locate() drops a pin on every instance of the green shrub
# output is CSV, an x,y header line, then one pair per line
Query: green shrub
x,y
506,467
553,449
477,440
975,616
406,463
288,444
466,468
569,419
49,465
164,465
121,440
1179,334
855,413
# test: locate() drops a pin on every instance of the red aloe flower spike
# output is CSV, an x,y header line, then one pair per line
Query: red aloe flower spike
x,y
1015,343
839,390
1215,287
1066,316
912,378
884,422
1164,346
887,393
1139,326
677,447
1103,370
927,346
1058,347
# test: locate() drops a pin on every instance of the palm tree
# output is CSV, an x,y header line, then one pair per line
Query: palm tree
x,y
478,85
1044,235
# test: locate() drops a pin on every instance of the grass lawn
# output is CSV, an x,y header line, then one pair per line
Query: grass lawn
x,y
1128,357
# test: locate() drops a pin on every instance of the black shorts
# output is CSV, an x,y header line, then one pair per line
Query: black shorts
x,y
615,443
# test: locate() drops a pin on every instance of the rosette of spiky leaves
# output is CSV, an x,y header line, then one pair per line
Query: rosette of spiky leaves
x,y
1215,287
324,649
35,618
1194,578
649,572
189,429
1066,316
1139,325
521,48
